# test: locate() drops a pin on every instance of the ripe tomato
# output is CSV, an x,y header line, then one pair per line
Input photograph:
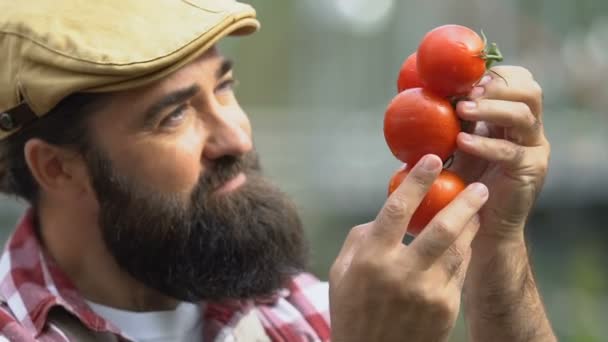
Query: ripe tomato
x,y
418,122
408,75
451,58
443,191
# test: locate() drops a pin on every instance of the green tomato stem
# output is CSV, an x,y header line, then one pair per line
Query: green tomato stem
x,y
491,52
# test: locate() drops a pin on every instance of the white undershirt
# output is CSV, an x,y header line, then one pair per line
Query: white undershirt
x,y
184,324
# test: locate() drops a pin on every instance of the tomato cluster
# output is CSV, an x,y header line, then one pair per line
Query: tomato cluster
x,y
421,119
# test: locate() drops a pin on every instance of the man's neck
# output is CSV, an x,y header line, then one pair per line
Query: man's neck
x,y
73,238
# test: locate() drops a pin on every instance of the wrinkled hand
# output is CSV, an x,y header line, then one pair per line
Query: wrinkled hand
x,y
383,290
508,150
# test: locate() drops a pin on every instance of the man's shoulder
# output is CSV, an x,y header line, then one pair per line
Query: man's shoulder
x,y
302,310
308,291
60,327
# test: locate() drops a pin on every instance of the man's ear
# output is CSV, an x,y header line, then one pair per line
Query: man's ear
x,y
56,169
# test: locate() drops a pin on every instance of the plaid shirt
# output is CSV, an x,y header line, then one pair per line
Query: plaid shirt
x,y
31,284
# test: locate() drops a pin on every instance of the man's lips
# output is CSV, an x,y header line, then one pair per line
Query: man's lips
x,y
232,184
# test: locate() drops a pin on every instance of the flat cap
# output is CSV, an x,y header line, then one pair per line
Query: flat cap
x,y
50,49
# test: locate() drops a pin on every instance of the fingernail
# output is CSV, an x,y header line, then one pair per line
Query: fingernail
x,y
477,92
480,190
484,80
430,163
469,105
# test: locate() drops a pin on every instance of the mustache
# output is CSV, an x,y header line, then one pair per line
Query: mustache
x,y
226,168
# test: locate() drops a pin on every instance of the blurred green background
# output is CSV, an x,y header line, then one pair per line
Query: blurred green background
x,y
316,81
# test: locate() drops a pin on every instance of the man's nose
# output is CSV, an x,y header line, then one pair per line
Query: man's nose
x,y
227,138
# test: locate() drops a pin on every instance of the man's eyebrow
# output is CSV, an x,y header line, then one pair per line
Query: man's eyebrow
x,y
225,67
168,100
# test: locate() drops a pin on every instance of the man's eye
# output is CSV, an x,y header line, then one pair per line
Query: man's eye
x,y
175,118
228,84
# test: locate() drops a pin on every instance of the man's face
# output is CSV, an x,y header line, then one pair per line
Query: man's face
x,y
183,206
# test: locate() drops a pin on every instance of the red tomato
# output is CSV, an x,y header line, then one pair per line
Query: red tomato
x,y
408,75
452,58
418,122
445,188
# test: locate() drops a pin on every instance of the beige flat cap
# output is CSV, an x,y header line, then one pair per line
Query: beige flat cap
x,y
50,49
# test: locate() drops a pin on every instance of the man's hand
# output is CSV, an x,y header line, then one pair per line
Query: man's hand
x,y
508,152
383,290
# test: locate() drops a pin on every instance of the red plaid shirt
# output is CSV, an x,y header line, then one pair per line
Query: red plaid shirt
x,y
31,284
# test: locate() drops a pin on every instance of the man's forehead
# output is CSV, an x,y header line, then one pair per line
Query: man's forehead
x,y
129,106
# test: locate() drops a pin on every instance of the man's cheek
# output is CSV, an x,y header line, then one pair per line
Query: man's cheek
x,y
166,170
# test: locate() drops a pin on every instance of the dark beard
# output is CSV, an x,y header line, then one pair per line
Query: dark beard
x,y
238,245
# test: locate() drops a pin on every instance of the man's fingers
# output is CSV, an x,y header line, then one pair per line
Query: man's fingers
x,y
499,112
512,83
455,259
391,223
514,116
496,150
447,226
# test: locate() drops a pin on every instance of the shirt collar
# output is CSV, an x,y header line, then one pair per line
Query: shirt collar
x,y
31,284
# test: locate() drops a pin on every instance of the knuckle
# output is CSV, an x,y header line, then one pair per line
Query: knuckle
x,y
530,121
367,267
524,109
420,180
391,282
523,71
542,166
396,210
439,304
357,232
535,123
507,150
427,297
518,154
427,250
417,293
536,90
534,93
456,257
443,308
512,152
444,230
